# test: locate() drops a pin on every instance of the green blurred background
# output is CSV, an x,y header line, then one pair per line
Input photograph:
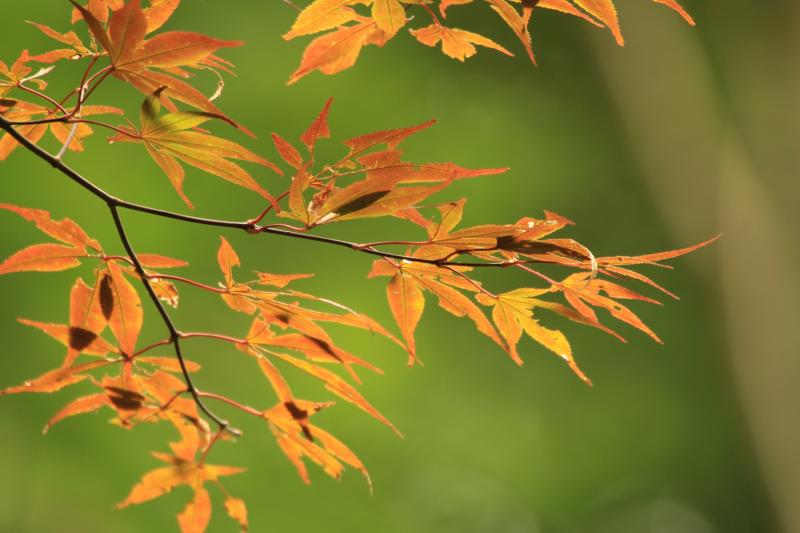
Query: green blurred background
x,y
684,133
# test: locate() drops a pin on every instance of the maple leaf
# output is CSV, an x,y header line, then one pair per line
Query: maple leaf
x,y
50,257
57,379
405,294
513,314
338,50
350,27
148,64
244,298
19,73
76,48
197,513
174,137
329,454
26,111
390,186
456,43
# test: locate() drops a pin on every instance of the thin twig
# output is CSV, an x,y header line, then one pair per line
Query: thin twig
x,y
174,334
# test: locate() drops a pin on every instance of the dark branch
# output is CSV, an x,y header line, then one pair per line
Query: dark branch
x,y
174,334
249,227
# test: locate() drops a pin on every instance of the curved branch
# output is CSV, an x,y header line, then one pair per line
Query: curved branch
x,y
174,334
247,226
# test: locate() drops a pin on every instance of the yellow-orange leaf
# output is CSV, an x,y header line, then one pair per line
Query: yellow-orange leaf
x,y
337,385
79,339
407,304
605,11
43,258
79,406
55,380
389,15
227,258
456,43
127,316
322,15
335,51
197,514
64,230
237,510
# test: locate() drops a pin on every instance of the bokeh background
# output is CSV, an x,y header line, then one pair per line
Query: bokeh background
x,y
683,133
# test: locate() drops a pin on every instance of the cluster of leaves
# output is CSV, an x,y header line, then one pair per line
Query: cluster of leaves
x,y
288,328
347,26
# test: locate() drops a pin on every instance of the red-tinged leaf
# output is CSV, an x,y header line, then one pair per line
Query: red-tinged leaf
x,y
337,385
227,258
279,280
43,258
178,49
99,8
322,15
55,380
589,291
95,25
630,274
444,5
374,204
677,7
170,364
318,129
64,230
407,304
133,57
159,13
390,138
160,261
564,6
197,514
83,405
335,51
287,152
604,11
33,133
127,316
572,314
126,30
69,38
652,258
389,15
456,43
237,510
319,349
84,341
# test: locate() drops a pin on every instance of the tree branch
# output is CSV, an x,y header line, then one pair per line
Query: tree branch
x,y
249,227
174,334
